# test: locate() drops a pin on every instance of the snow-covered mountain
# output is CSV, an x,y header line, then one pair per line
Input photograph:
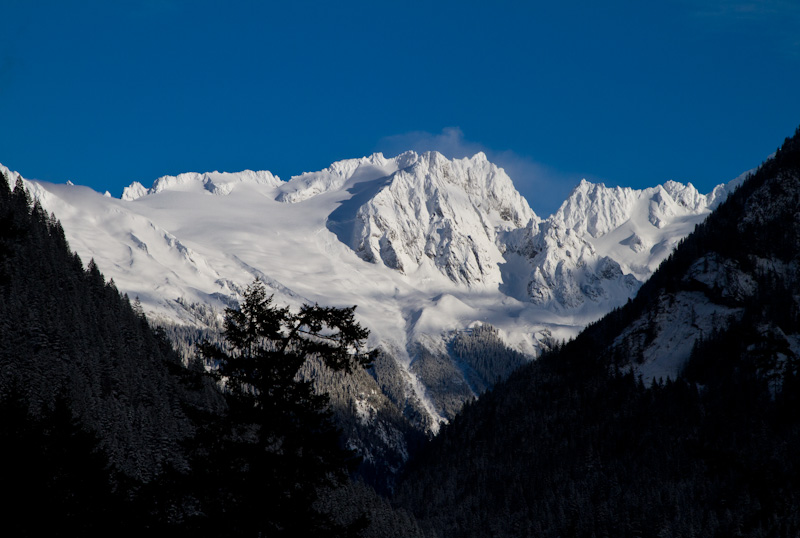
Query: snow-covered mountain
x,y
602,243
425,246
435,214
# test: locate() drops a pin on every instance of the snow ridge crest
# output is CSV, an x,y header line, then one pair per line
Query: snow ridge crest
x,y
218,183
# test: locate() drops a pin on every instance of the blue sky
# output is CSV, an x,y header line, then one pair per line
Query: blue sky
x,y
629,93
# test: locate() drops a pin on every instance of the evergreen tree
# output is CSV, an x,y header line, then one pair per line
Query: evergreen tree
x,y
276,446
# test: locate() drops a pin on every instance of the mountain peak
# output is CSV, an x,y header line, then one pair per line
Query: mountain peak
x,y
586,185
134,191
436,216
8,173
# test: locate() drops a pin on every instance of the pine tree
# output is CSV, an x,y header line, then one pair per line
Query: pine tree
x,y
277,446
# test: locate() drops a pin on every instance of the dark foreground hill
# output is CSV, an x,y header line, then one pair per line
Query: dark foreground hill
x,y
92,397
576,444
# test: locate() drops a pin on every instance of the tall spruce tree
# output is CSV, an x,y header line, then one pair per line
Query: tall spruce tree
x,y
276,446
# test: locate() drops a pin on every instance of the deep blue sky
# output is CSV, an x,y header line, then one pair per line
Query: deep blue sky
x,y
630,93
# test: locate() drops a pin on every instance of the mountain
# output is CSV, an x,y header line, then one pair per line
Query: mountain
x,y
674,415
427,248
430,250
602,243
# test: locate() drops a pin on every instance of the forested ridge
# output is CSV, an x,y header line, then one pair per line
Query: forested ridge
x,y
68,332
95,400
575,444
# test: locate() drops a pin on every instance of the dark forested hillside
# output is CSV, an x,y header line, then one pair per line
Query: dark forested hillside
x,y
67,332
575,444
92,399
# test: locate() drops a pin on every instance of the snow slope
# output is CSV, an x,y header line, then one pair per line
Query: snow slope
x,y
425,246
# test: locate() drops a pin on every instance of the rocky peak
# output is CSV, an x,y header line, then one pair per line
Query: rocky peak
x,y
442,215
